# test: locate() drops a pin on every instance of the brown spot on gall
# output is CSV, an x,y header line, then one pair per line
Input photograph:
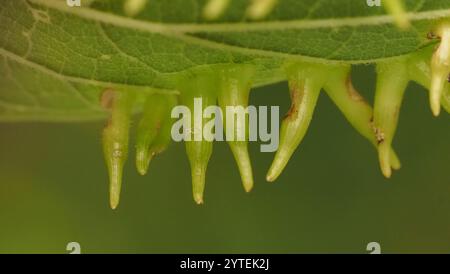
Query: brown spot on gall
x,y
107,98
354,95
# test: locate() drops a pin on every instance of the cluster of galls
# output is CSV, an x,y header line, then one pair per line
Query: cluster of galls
x,y
230,86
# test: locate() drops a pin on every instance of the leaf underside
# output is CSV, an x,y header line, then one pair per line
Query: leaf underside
x,y
55,60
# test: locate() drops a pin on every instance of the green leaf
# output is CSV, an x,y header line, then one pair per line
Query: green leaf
x,y
56,60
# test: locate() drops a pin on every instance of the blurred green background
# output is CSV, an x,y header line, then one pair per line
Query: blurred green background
x,y
331,198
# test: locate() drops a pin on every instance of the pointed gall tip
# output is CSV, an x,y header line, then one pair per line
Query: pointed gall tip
x,y
384,158
280,161
113,204
114,199
395,161
198,183
396,165
437,87
242,157
114,189
272,175
436,109
386,169
248,186
142,171
142,161
387,172
435,102
115,172
198,198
